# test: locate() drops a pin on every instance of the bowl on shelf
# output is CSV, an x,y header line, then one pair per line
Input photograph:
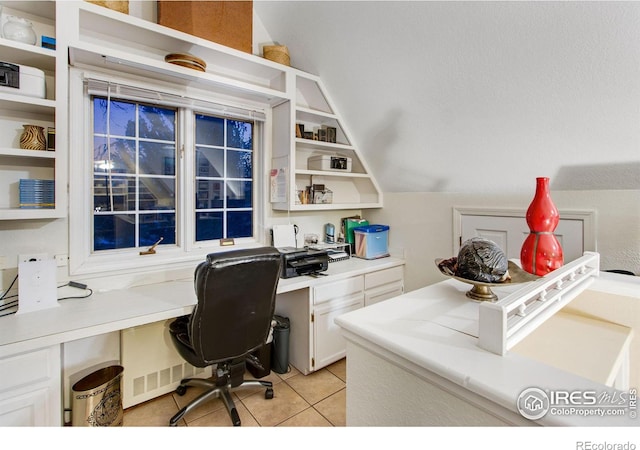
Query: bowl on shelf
x,y
186,60
481,291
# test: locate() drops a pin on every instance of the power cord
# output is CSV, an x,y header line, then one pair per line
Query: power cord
x,y
10,304
14,303
77,285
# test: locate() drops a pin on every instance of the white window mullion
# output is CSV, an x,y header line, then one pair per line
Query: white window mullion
x,y
186,155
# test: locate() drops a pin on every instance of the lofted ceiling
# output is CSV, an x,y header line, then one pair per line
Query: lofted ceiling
x,y
477,96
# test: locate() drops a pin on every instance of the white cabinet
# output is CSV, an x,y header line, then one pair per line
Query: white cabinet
x,y
331,300
312,110
315,340
18,110
31,392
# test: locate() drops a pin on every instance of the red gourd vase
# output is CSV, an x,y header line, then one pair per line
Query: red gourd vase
x,y
541,251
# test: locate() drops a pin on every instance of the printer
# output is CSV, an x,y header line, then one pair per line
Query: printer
x,y
302,261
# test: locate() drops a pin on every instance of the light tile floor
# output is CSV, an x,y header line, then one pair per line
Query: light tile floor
x,y
317,399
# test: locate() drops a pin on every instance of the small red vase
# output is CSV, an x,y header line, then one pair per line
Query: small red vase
x,y
541,251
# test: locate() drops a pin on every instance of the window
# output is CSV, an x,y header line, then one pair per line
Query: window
x,y
134,178
158,168
224,178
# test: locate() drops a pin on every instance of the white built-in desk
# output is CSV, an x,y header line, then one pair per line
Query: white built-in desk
x,y
30,366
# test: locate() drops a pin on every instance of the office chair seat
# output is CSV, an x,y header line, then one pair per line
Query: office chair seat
x,y
236,300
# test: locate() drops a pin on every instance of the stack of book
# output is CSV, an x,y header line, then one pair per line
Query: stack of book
x,y
37,193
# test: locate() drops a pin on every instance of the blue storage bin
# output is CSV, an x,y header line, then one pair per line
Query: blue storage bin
x,y
372,241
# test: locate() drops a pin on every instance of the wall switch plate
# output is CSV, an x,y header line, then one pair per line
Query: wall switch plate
x,y
62,260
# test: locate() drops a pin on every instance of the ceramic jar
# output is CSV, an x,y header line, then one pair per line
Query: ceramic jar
x,y
33,138
541,251
20,30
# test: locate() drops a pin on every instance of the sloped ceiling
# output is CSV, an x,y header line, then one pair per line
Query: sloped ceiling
x,y
477,96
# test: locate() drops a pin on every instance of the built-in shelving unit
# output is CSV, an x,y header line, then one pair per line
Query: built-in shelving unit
x,y
139,47
94,38
312,110
19,109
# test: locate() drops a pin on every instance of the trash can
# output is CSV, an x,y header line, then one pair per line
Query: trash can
x,y
97,399
280,352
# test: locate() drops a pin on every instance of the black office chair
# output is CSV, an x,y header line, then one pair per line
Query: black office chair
x,y
236,294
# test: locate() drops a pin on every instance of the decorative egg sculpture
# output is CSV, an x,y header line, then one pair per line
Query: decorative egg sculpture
x,y
482,260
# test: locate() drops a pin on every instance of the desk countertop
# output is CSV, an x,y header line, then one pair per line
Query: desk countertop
x,y
114,310
423,327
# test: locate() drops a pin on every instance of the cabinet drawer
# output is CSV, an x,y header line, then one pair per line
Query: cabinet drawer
x,y
338,289
375,279
28,368
373,296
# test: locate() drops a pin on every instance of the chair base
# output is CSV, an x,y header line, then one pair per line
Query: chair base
x,y
214,390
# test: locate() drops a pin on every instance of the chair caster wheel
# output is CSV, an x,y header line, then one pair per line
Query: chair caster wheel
x,y
181,390
268,394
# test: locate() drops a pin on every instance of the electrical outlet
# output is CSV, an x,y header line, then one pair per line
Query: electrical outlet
x,y
32,257
3,262
62,260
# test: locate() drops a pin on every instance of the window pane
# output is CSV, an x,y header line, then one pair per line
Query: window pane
x,y
113,193
113,231
157,193
239,134
122,118
239,224
239,194
209,162
157,123
239,164
209,194
156,226
119,158
208,226
157,158
209,130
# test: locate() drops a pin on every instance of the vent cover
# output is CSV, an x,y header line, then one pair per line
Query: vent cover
x,y
152,366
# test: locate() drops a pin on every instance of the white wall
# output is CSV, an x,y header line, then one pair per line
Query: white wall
x,y
422,224
477,96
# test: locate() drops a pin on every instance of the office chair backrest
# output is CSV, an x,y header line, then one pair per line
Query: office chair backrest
x,y
236,294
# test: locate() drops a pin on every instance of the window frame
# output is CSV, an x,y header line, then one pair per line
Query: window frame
x,y
82,260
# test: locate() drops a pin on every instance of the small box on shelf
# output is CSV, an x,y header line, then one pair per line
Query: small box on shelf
x,y
51,138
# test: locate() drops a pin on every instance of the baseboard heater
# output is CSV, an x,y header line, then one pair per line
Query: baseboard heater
x,y
152,366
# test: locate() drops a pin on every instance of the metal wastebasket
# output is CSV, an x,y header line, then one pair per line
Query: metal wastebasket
x,y
280,353
97,399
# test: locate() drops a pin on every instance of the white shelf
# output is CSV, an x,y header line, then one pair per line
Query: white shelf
x,y
324,173
16,163
21,153
28,55
139,48
30,214
145,66
322,145
25,104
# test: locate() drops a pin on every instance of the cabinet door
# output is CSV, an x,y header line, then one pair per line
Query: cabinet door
x,y
31,390
28,409
330,345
